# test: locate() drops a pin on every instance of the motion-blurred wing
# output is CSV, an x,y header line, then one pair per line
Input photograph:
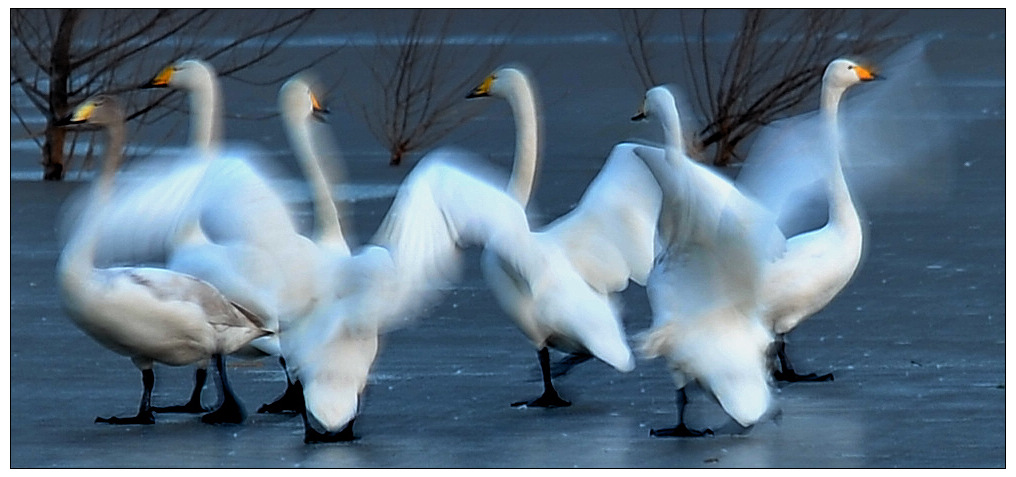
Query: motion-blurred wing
x,y
610,235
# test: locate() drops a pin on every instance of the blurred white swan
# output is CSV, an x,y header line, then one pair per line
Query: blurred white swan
x,y
818,263
446,203
704,287
148,314
212,214
608,239
300,108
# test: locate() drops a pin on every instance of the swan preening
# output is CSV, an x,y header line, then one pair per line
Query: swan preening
x,y
728,271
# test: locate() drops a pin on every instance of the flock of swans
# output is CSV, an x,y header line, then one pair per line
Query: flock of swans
x,y
725,282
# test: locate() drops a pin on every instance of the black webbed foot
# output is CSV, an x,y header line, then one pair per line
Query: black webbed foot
x,y
792,377
190,407
549,399
291,401
680,431
225,414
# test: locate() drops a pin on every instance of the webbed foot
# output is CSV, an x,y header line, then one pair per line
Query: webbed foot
x,y
680,431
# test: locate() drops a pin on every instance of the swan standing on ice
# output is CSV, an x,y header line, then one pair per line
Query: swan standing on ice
x,y
818,264
300,107
704,287
607,239
446,203
244,240
148,314
212,214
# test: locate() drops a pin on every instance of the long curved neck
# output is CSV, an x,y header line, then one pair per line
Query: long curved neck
x,y
78,256
527,141
326,215
206,114
671,122
841,206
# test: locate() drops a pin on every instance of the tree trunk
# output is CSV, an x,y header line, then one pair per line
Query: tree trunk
x,y
59,79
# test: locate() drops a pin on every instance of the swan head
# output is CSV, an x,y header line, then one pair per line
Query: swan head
x,y
297,98
843,73
99,110
659,102
186,74
500,83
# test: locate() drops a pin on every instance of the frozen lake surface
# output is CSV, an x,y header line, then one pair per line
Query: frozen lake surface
x,y
917,342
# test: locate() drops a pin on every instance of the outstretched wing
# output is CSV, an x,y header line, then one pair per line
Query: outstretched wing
x,y
610,235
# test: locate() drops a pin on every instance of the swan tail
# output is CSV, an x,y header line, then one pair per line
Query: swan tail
x,y
657,341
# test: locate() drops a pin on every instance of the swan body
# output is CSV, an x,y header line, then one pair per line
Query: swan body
x,y
148,314
818,263
704,287
608,239
445,204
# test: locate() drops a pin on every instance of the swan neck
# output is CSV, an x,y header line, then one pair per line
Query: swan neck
x,y
206,111
527,141
78,256
326,215
671,121
829,104
841,206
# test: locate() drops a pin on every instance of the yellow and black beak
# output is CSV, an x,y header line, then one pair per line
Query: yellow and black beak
x,y
79,115
160,80
318,111
483,90
867,74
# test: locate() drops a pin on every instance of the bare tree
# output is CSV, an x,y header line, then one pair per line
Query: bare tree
x,y
64,55
422,83
772,65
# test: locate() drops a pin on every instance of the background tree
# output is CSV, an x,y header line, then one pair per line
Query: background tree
x,y
61,56
422,78
772,65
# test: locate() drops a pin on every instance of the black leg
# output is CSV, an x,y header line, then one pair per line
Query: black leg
x,y
291,401
145,415
681,430
193,406
550,398
229,411
786,372
574,359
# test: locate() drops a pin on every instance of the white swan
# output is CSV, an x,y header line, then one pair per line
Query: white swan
x,y
446,203
148,314
300,107
704,287
213,215
819,263
607,239
198,78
